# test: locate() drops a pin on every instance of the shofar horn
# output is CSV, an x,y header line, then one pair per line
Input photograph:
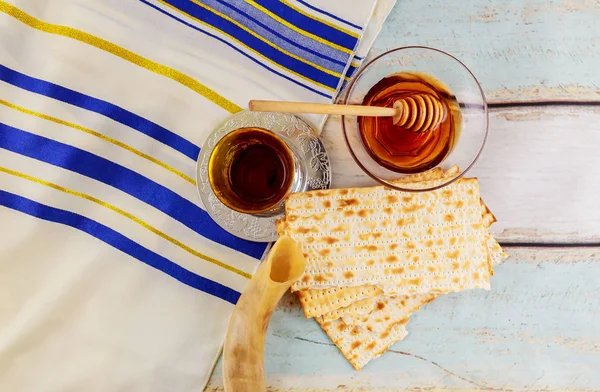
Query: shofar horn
x,y
243,354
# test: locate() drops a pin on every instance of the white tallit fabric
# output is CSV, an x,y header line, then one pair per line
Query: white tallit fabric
x,y
112,275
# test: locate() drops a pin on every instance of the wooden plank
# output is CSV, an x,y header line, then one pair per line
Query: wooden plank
x,y
534,331
539,172
535,50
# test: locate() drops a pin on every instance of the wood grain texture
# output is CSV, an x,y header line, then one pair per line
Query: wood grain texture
x,y
534,331
533,50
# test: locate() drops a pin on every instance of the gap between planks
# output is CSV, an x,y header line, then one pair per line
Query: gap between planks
x,y
569,245
541,103
559,253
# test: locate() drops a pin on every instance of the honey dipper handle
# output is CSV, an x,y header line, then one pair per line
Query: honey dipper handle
x,y
320,108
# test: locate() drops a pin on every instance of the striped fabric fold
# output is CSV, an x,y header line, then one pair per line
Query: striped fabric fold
x,y
105,108
124,179
329,14
253,42
108,252
117,240
313,53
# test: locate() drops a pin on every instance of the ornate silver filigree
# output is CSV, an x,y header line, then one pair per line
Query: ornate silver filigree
x,y
308,148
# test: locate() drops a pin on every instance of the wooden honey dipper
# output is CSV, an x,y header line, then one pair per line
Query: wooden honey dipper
x,y
417,113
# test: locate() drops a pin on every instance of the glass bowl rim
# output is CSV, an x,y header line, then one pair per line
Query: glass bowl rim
x,y
350,87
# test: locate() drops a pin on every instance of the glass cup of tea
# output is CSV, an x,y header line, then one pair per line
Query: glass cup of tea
x,y
252,170
431,82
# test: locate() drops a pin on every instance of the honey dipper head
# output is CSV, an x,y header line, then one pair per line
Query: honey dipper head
x,y
419,113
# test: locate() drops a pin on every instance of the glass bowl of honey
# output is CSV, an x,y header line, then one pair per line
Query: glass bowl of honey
x,y
445,124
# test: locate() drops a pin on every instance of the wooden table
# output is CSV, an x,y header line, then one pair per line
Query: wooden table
x,y
538,329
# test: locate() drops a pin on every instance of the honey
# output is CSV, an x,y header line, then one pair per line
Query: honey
x,y
400,149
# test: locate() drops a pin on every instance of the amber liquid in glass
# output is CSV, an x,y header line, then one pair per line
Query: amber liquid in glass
x,y
251,170
402,150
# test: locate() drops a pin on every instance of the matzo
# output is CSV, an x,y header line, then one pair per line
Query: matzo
x,y
360,346
361,307
326,302
403,243
370,336
432,174
388,311
431,178
318,302
365,317
334,302
382,327
488,217
497,254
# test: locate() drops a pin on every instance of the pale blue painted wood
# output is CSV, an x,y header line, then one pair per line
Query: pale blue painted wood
x,y
536,330
519,50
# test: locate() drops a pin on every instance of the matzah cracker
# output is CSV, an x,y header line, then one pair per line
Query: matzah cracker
x,y
403,243
388,319
384,326
359,308
496,255
369,337
428,179
318,302
327,302
488,217
360,346
388,311
425,176
364,320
